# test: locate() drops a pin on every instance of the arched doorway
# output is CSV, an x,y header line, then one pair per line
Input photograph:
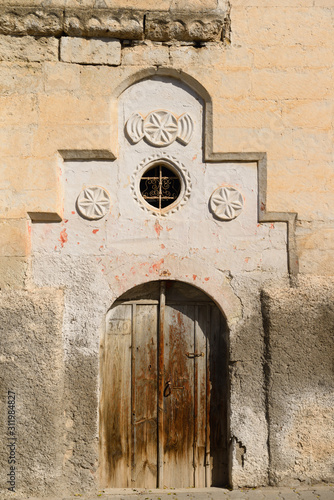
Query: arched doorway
x,y
164,390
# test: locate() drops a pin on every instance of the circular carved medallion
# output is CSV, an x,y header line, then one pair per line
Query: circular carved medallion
x,y
160,128
226,203
93,203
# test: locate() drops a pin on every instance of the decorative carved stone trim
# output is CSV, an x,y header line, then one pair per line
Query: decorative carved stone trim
x,y
160,128
93,203
163,27
31,21
174,164
226,203
123,24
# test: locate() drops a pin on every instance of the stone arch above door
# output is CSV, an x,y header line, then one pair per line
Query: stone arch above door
x,y
164,390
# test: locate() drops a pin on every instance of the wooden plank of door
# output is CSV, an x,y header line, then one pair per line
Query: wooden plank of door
x,y
115,404
201,423
145,396
179,397
161,382
219,398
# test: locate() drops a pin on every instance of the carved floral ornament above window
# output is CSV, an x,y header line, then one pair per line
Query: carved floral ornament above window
x,y
160,128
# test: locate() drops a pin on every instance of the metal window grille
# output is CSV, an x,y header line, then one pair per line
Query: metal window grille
x,y
160,186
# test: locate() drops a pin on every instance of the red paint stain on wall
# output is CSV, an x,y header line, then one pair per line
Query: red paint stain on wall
x,y
95,231
63,237
162,246
158,228
206,279
156,267
194,277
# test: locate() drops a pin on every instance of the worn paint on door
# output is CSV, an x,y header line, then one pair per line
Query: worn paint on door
x,y
164,426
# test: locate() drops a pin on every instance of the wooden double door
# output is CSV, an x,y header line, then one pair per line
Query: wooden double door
x,y
164,390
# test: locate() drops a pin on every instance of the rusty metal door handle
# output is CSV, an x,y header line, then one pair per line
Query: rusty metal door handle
x,y
168,389
195,355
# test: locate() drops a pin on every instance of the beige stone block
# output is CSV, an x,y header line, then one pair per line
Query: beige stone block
x,y
152,54
39,204
17,109
297,175
15,240
238,140
21,174
291,85
28,48
234,84
16,140
73,109
312,58
272,3
320,238
316,146
317,262
194,5
13,204
284,26
185,55
45,205
123,4
231,57
20,78
308,114
93,79
60,77
237,57
91,51
13,272
323,3
310,205
242,140
240,23
248,113
51,138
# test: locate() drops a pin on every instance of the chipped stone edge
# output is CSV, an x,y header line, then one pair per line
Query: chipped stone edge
x,y
126,24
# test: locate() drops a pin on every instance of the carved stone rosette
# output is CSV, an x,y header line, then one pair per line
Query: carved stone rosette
x,y
93,203
226,203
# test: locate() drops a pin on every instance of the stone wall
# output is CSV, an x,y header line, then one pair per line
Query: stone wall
x,y
261,74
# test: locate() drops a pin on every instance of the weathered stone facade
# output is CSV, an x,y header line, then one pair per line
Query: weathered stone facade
x,y
236,99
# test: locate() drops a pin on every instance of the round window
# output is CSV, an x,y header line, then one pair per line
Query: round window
x,y
161,184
